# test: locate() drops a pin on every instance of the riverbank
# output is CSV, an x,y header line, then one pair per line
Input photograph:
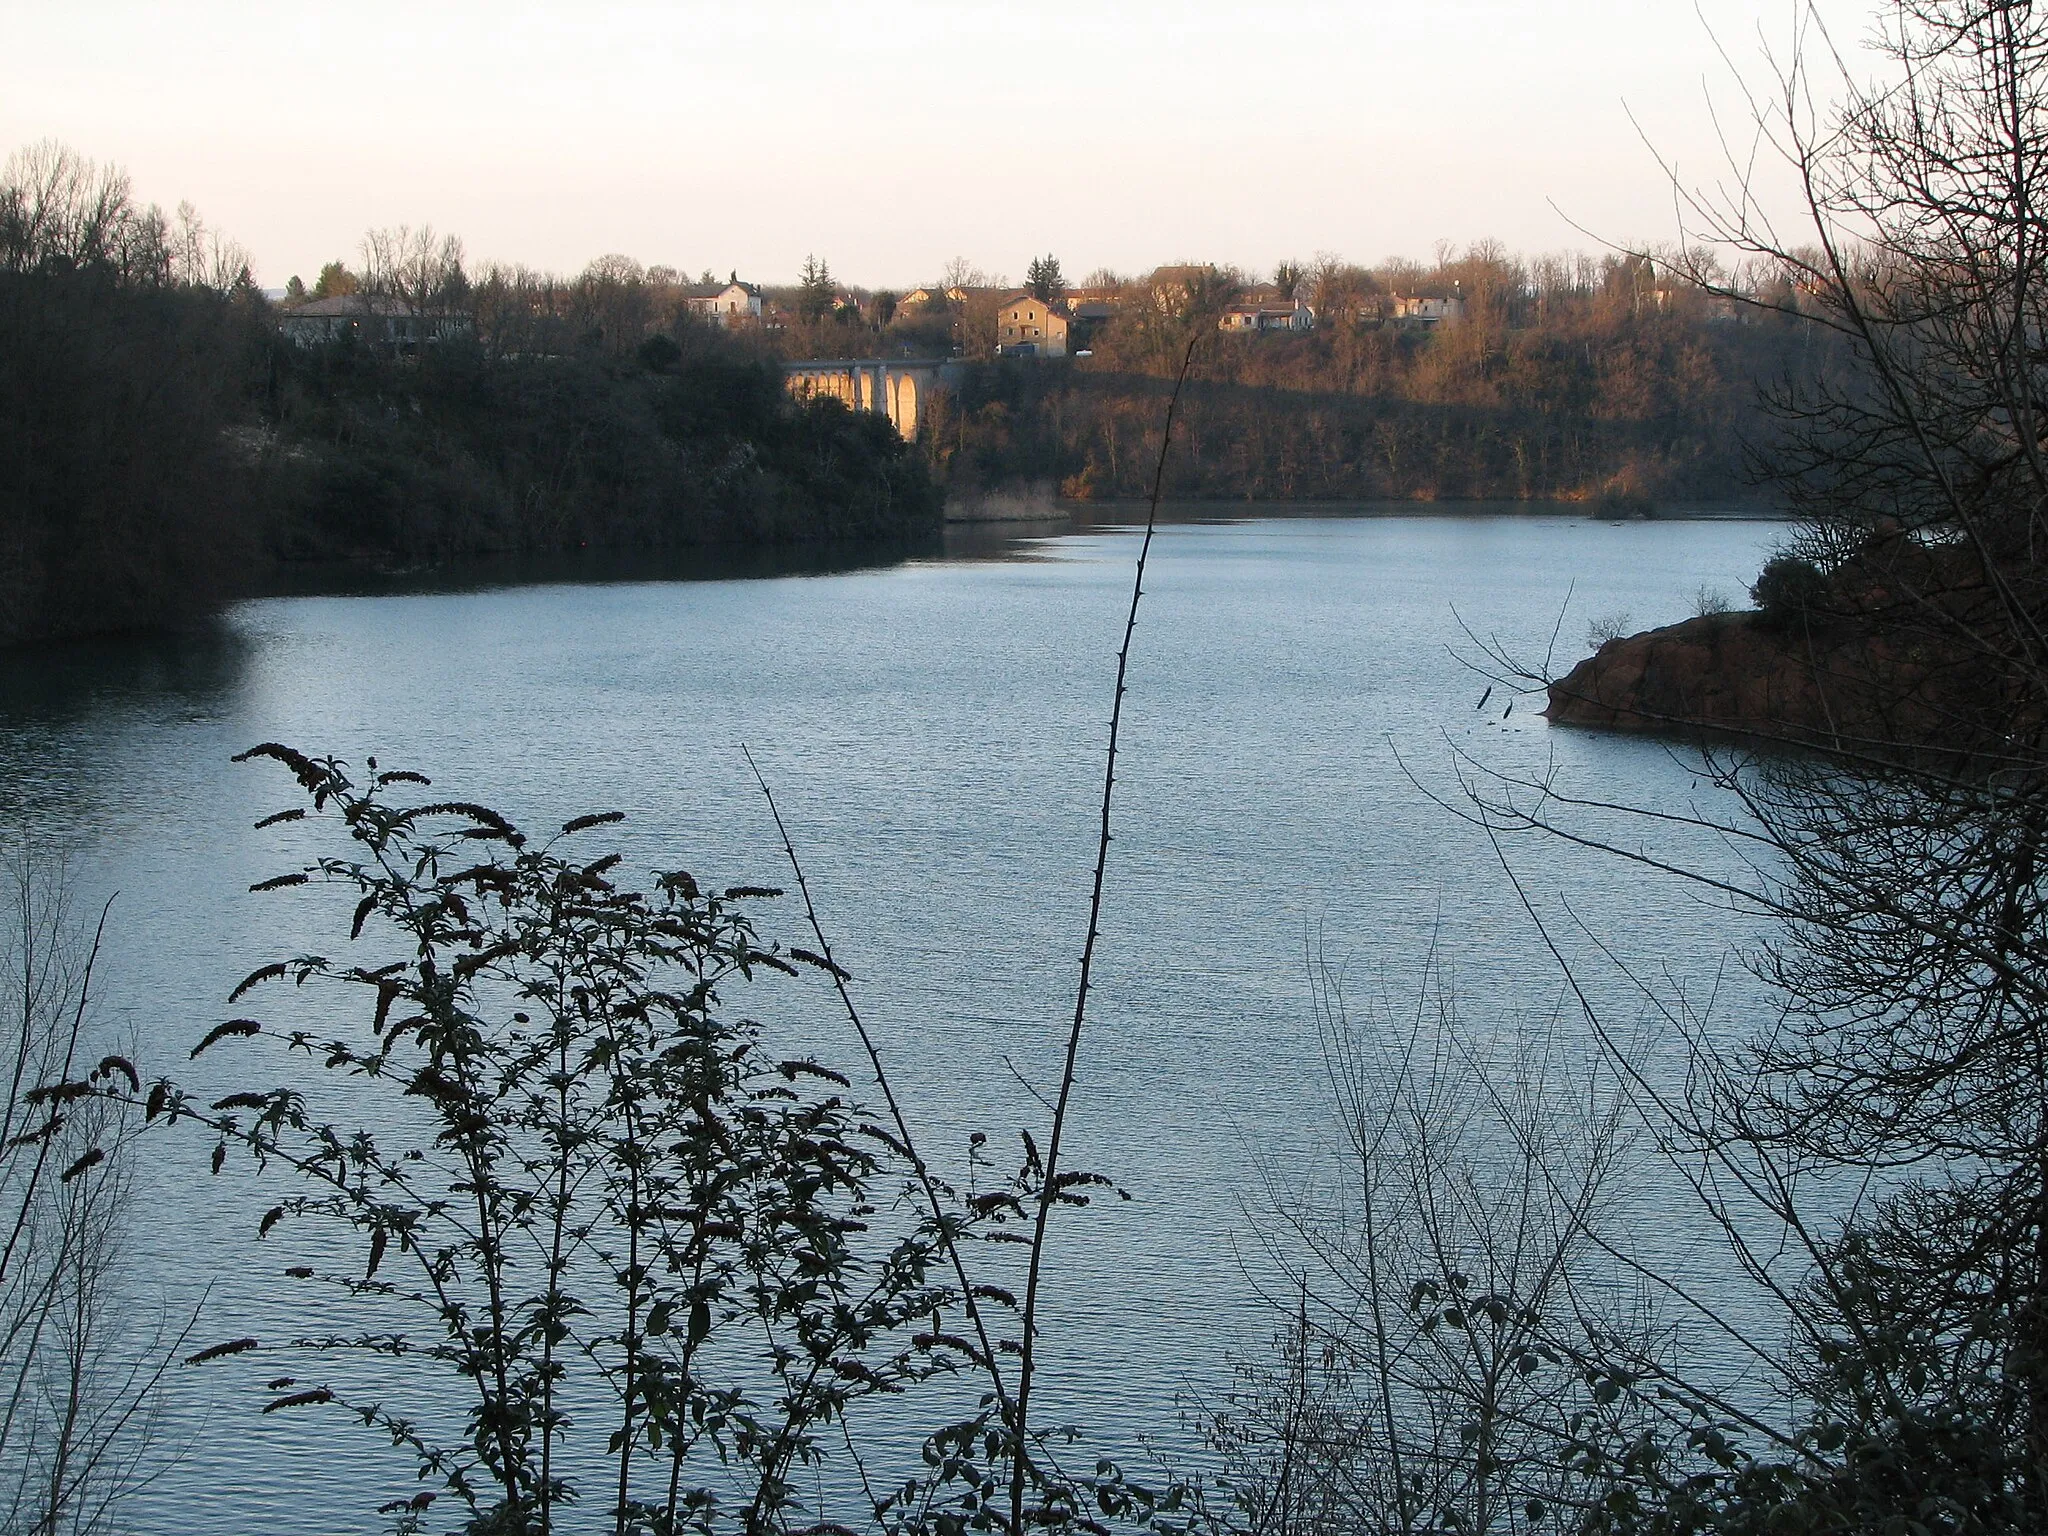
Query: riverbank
x,y
1037,526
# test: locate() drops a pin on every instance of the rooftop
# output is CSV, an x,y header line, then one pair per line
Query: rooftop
x,y
356,304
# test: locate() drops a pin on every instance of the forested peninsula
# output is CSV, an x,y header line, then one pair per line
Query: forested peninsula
x,y
163,447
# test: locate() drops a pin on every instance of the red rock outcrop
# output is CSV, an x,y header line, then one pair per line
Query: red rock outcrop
x,y
1825,682
1905,646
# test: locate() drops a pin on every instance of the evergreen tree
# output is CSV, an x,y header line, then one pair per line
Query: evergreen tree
x,y
1044,278
815,290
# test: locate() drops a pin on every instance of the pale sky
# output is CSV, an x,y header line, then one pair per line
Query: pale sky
x,y
888,138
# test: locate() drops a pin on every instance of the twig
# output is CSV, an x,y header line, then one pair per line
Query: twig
x,y
1026,1084
1049,1188
940,1224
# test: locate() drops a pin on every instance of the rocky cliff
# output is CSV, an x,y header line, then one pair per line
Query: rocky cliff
x,y
1819,683
1896,651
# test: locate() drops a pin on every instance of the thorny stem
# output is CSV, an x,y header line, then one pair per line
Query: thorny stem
x,y
635,1221
558,1222
1048,1192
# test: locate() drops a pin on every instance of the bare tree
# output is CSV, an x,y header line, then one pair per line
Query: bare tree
x,y
613,303
203,257
58,208
1876,1153
962,273
1458,1343
78,1385
420,269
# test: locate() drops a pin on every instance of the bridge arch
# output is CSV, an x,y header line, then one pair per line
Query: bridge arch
x,y
885,386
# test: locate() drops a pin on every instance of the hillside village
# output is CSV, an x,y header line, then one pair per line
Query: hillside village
x,y
1045,319
1484,374
970,318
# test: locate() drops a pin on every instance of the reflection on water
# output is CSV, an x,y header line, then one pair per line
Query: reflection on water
x,y
197,669
716,562
931,720
69,713
1005,540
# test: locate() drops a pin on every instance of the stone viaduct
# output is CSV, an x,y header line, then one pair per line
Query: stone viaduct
x,y
894,387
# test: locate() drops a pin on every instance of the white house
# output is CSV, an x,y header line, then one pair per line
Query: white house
x,y
729,303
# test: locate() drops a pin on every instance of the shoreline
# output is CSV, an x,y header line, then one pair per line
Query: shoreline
x,y
1716,510
974,540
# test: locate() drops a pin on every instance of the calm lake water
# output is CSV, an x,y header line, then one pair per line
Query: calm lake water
x,y
932,729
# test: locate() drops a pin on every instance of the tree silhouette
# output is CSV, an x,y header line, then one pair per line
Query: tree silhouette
x,y
1044,278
